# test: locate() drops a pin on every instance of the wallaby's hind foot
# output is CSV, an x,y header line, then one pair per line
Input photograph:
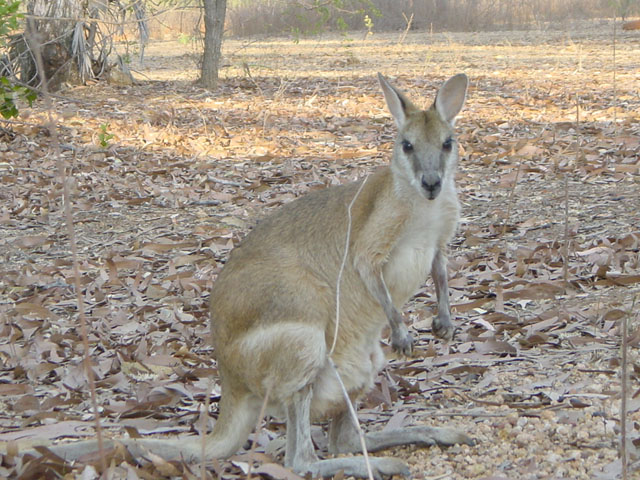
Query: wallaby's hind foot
x,y
344,438
419,435
381,467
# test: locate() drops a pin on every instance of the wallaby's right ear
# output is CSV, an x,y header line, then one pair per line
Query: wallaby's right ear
x,y
398,104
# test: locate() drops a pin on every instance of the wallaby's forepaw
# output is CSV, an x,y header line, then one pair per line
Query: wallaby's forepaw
x,y
443,328
402,341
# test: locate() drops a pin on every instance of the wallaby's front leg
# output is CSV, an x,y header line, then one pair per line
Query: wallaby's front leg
x,y
442,326
401,340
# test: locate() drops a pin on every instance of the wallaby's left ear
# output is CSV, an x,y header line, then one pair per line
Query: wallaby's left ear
x,y
451,96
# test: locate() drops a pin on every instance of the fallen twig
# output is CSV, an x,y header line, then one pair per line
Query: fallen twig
x,y
222,181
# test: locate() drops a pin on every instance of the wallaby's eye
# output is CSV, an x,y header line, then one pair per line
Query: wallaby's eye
x,y
406,146
446,146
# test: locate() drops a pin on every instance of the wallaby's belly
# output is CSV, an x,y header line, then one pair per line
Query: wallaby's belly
x,y
358,368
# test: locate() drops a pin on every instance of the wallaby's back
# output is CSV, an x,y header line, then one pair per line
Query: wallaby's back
x,y
289,263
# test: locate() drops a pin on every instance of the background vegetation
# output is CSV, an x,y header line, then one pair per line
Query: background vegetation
x,y
278,17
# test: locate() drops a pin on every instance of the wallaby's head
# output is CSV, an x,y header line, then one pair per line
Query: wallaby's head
x,y
426,151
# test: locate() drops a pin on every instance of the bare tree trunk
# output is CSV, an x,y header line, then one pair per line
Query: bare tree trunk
x,y
214,13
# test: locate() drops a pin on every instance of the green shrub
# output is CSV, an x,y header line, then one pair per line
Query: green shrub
x,y
10,92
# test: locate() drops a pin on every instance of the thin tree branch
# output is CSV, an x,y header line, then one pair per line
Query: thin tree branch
x,y
66,196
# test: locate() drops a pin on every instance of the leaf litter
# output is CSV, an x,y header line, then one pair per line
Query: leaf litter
x,y
533,373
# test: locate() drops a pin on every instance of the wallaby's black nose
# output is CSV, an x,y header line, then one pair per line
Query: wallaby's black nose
x,y
431,185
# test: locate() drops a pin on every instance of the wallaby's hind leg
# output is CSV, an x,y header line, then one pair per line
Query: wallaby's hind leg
x,y
300,454
299,451
343,437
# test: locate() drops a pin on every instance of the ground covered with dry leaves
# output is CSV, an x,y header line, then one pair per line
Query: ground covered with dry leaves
x,y
549,182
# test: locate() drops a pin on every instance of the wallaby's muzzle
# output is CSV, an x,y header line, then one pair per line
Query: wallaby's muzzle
x,y
432,184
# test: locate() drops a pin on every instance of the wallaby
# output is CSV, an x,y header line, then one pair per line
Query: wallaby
x,y
273,306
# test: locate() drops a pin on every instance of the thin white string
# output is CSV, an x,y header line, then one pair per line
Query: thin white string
x,y
352,410
354,417
342,265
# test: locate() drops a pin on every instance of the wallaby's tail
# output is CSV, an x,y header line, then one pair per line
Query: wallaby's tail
x,y
238,416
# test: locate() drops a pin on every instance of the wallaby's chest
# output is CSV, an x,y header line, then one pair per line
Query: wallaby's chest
x,y
411,258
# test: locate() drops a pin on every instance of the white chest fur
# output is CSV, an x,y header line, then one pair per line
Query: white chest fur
x,y
431,226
